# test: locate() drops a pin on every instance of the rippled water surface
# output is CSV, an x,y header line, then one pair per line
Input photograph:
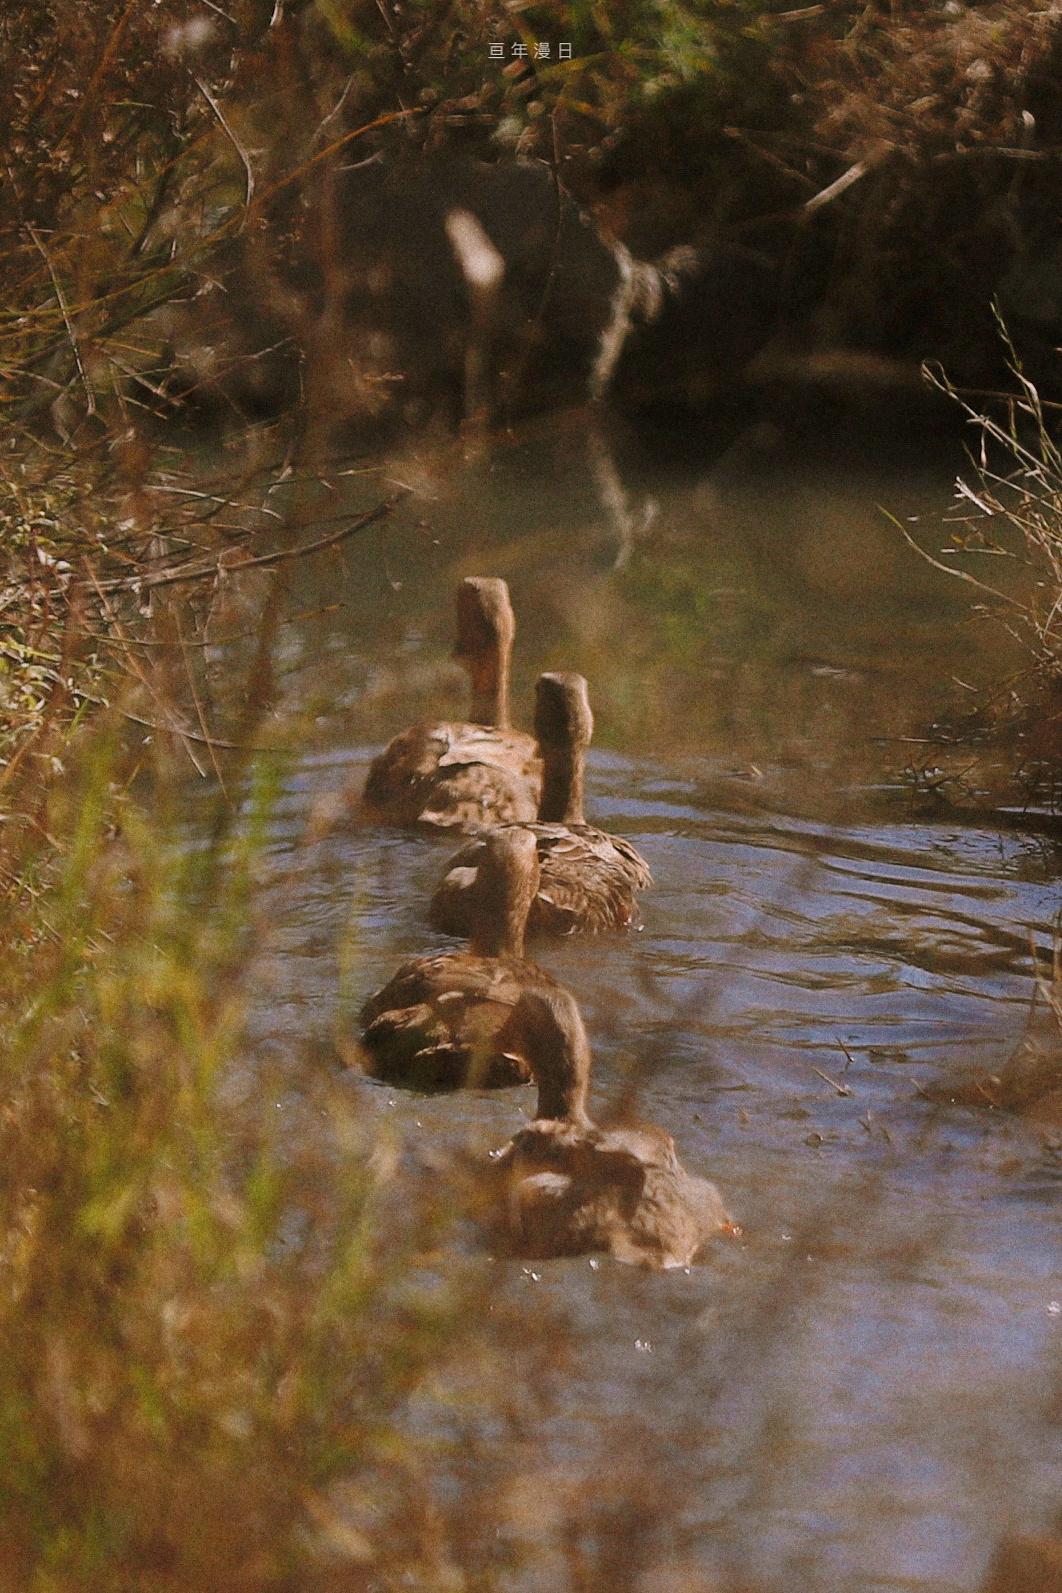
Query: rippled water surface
x,y
863,1392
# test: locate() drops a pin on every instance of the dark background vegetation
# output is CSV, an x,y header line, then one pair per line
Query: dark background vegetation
x,y
891,169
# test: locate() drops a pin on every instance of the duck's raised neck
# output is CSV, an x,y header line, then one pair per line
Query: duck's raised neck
x,y
550,1025
563,728
506,881
485,631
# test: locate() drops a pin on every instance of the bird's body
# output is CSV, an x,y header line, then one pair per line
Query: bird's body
x,y
588,879
440,1023
571,1190
444,1021
456,775
587,882
566,1186
464,774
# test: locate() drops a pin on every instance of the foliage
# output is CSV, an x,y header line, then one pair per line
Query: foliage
x,y
897,161
1008,515
210,1332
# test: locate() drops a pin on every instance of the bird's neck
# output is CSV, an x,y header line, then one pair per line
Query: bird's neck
x,y
562,785
500,932
490,689
563,1090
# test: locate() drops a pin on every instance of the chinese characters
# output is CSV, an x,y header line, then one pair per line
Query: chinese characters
x,y
542,51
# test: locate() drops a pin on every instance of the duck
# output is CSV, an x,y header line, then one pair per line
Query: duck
x,y
566,1186
468,774
588,880
443,1022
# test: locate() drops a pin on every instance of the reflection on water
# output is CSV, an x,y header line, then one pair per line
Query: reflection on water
x,y
858,1397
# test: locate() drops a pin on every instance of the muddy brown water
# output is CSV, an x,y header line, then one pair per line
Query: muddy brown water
x,y
864,1392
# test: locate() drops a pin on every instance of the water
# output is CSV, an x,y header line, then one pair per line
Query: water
x,y
862,1394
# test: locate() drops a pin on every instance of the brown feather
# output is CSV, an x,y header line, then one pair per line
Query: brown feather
x,y
588,883
455,776
465,774
444,1022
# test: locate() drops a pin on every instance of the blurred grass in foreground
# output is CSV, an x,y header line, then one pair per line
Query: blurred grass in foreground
x,y
210,1331
200,1331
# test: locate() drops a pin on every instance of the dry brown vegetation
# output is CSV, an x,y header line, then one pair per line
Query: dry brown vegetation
x,y
895,165
1005,545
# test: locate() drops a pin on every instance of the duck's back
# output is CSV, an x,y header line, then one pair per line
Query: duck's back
x,y
443,1022
570,1190
456,775
588,881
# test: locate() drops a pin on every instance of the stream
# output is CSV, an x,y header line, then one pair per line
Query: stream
x,y
862,1393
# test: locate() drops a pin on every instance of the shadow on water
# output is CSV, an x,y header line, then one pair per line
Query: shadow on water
x,y
859,1395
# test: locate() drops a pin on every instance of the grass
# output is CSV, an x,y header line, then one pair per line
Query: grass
x,y
1007,516
202,1331
211,1330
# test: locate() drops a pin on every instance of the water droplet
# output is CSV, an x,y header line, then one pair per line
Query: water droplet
x,y
645,1345
1055,1308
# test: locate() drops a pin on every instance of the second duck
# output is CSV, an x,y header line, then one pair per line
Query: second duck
x,y
588,879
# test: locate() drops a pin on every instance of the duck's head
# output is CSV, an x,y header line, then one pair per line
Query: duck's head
x,y
564,726
562,710
506,883
486,628
550,1027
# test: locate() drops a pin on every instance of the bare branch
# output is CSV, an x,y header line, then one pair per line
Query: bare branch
x,y
201,572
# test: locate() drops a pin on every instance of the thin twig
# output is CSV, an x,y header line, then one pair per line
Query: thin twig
x,y
187,735
127,583
231,136
200,714
68,323
949,569
849,1058
837,188
213,497
174,728
842,1089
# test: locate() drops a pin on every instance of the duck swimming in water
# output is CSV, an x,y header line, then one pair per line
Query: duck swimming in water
x,y
444,1022
588,879
568,1186
473,773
